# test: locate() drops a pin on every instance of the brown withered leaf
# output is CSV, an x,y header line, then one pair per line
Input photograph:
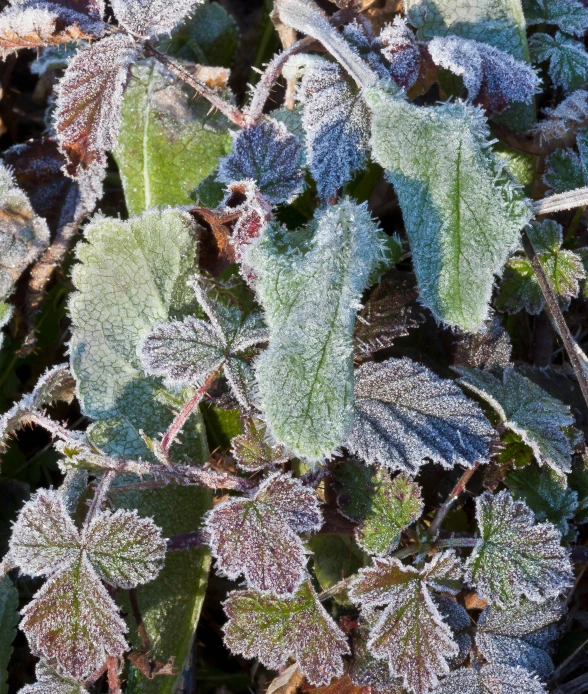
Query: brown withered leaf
x,y
216,250
483,350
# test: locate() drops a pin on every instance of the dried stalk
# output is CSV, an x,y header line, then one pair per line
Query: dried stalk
x,y
453,495
563,201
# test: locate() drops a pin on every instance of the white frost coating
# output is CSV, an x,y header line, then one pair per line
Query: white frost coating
x,y
516,556
310,284
568,60
570,16
258,537
491,679
149,18
405,413
490,75
401,50
572,110
49,682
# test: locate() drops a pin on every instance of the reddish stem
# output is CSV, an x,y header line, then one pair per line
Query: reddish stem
x,y
453,495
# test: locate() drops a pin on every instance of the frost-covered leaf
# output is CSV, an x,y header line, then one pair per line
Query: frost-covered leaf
x,y
519,287
5,315
402,51
310,283
367,671
168,143
568,60
271,629
87,113
148,18
252,449
570,16
546,494
571,111
493,78
74,622
458,620
124,549
528,410
383,506
565,169
50,682
187,352
520,635
484,350
271,156
23,235
405,413
515,555
491,679
410,632
335,119
8,622
461,225
258,537
39,23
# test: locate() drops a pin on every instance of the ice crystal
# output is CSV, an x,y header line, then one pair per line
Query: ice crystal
x,y
474,201
519,636
402,51
458,620
270,155
405,413
572,110
367,671
565,169
258,537
87,113
148,18
187,352
410,633
382,506
491,679
310,283
484,350
23,235
568,60
528,410
252,449
570,16
335,119
270,629
515,555
492,77
50,682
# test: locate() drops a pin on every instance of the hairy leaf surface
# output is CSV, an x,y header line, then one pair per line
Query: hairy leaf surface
x,y
491,679
405,413
569,15
568,60
566,169
50,682
253,451
150,18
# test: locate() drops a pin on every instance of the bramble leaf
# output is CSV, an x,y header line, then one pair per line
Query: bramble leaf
x,y
149,18
410,633
335,119
187,352
492,77
271,156
520,635
50,682
271,629
565,169
8,623
515,556
168,143
569,15
462,225
490,679
310,283
402,51
383,506
528,410
405,413
258,537
568,60
253,451
23,235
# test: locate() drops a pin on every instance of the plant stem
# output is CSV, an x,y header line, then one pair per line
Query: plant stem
x,y
112,670
453,495
462,542
230,111
100,495
138,617
561,202
555,314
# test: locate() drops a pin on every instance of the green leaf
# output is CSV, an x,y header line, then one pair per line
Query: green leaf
x,y
253,451
568,60
334,557
461,225
566,170
528,410
515,556
383,506
569,15
209,37
310,283
8,622
168,143
50,682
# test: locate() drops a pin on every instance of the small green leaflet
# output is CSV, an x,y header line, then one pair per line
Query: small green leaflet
x,y
253,451
310,283
461,226
566,169
8,622
515,555
410,633
168,143
568,60
334,557
382,506
270,629
49,682
491,679
528,410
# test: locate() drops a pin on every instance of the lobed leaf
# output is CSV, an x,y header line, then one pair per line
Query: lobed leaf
x,y
458,620
528,410
567,58
271,629
149,18
405,413
515,556
569,15
565,169
571,111
310,284
258,537
50,682
253,451
493,679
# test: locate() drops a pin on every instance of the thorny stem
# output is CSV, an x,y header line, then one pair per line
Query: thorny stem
x,y
100,495
453,495
230,111
555,314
